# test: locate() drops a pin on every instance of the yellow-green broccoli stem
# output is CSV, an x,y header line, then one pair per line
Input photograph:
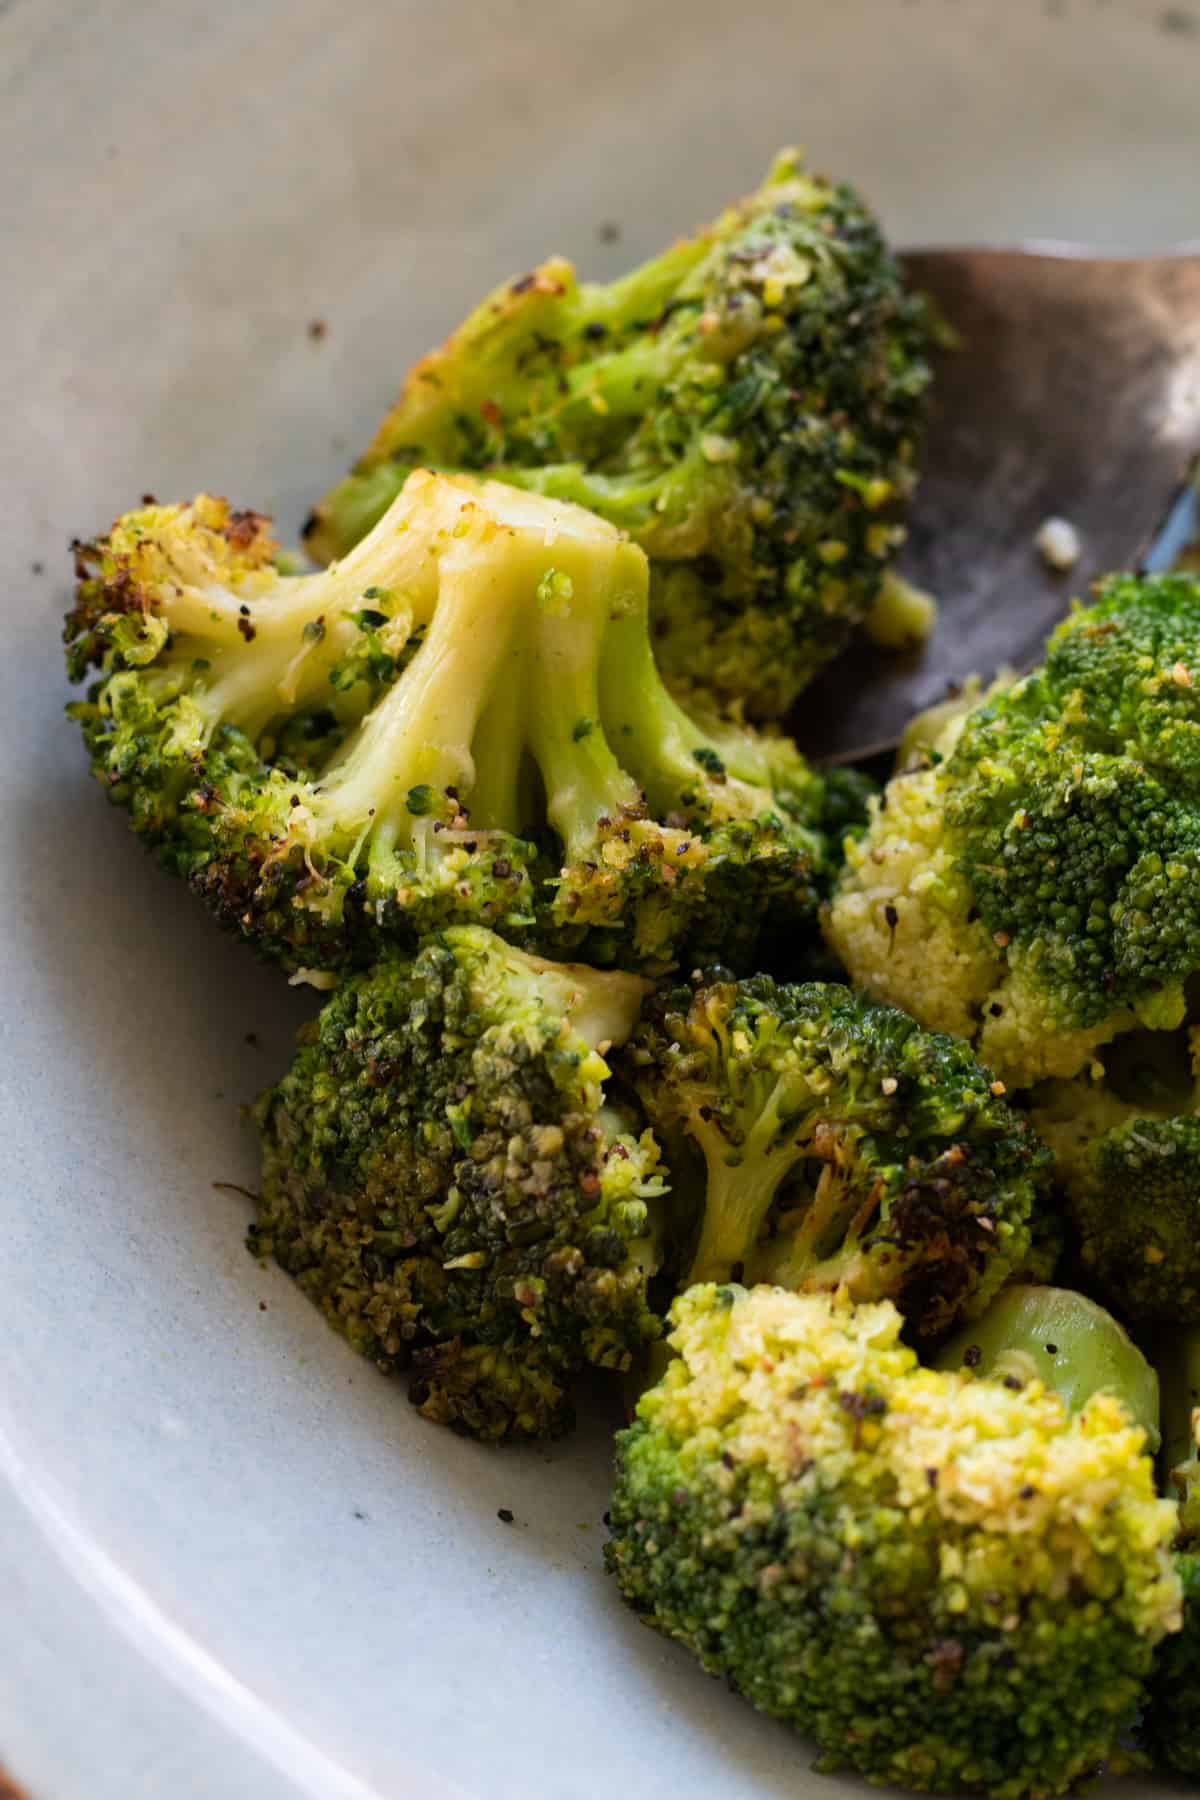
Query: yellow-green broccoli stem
x,y
461,720
448,1178
951,1585
1064,1341
746,405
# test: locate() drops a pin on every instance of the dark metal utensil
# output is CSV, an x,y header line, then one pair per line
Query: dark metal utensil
x,y
1074,392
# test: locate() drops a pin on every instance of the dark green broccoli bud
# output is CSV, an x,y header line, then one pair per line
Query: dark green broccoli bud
x,y
947,1583
825,1142
1065,1341
444,1177
746,406
1035,886
1127,1145
1172,1718
462,721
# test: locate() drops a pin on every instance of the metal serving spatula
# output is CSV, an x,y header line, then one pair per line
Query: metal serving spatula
x,y
1074,392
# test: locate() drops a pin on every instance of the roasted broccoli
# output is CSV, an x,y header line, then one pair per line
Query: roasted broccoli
x,y
947,1582
1034,886
447,1178
819,1141
1126,1139
747,406
462,721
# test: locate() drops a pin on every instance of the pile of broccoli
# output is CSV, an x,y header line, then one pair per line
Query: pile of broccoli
x,y
573,1101
1032,885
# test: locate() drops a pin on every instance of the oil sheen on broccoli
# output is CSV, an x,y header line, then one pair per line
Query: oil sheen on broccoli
x,y
1034,886
446,1177
460,722
820,1141
948,1583
747,406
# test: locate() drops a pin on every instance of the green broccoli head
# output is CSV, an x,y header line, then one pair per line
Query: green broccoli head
x,y
948,1583
446,1177
746,406
1034,886
460,722
824,1142
1126,1140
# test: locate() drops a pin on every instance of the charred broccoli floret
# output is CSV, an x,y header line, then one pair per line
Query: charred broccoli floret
x,y
462,721
948,1583
746,406
447,1178
819,1141
1034,886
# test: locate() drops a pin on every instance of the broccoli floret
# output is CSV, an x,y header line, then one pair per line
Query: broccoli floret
x,y
1035,886
1126,1140
746,406
447,1177
823,1141
462,721
948,1583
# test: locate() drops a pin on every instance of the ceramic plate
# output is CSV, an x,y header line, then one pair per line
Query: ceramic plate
x,y
233,1562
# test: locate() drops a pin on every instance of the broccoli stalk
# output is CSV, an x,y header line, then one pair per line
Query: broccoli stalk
x,y
745,405
460,721
951,1584
449,1178
1065,1341
826,1143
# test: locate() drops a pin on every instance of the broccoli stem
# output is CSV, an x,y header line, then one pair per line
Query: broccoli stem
x,y
742,1183
629,501
1064,1340
497,801
599,1006
616,386
668,754
584,780
639,297
821,1251
421,733
272,653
